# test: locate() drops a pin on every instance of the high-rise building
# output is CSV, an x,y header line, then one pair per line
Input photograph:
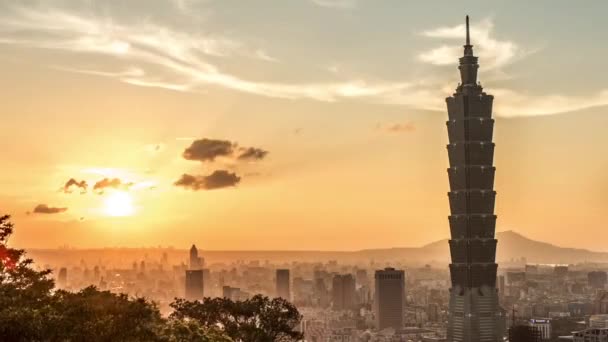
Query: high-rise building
x,y
389,298
362,279
283,289
194,285
196,262
473,303
343,292
62,278
207,285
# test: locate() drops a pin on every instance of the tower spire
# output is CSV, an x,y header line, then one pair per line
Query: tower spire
x,y
468,48
468,36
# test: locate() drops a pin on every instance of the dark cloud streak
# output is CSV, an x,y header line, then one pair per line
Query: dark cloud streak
x,y
216,180
45,209
71,183
252,153
208,149
113,183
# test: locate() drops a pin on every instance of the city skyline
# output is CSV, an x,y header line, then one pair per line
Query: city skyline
x,y
127,123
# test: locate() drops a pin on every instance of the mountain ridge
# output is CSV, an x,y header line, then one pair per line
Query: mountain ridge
x,y
511,245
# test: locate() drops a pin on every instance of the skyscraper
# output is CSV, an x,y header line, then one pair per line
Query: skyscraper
x,y
196,262
283,289
343,292
194,285
62,278
389,298
473,295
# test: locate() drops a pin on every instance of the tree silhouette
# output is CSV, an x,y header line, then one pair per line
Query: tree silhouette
x,y
259,319
31,310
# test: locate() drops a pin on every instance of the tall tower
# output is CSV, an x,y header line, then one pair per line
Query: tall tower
x,y
196,262
474,311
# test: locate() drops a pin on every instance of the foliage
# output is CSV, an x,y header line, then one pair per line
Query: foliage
x,y
25,299
258,319
183,330
32,310
93,315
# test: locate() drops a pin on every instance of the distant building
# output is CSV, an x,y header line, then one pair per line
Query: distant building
x,y
598,321
560,271
343,292
362,279
597,279
591,335
543,325
501,285
196,262
531,269
207,282
282,284
194,285
227,291
62,278
600,304
234,293
432,312
389,298
524,333
321,293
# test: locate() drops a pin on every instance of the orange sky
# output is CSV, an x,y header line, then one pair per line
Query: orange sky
x,y
347,146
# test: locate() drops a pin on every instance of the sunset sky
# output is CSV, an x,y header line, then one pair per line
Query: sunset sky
x,y
293,124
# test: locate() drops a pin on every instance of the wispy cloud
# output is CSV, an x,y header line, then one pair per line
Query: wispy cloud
x,y
495,53
183,57
149,54
512,103
340,4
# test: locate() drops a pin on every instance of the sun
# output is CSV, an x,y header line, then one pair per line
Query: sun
x,y
119,203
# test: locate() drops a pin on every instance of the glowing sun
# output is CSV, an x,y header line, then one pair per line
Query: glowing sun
x,y
119,203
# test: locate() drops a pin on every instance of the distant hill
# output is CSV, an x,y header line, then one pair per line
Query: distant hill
x,y
511,245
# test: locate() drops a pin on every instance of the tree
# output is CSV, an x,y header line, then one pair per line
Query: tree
x,y
93,315
259,319
185,330
30,310
25,299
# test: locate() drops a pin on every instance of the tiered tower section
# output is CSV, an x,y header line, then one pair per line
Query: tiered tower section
x,y
473,296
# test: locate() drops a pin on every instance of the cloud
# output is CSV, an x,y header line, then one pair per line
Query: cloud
x,y
147,53
163,57
339,4
218,179
71,183
495,53
204,150
263,55
208,149
511,103
252,153
113,183
45,209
